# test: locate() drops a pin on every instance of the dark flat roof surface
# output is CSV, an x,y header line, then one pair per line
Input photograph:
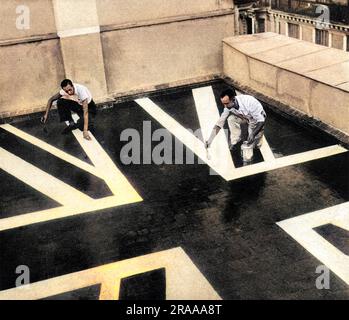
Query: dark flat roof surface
x,y
228,229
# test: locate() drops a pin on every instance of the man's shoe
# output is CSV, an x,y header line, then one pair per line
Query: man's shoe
x,y
69,128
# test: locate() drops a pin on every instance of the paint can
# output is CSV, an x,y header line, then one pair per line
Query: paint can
x,y
247,152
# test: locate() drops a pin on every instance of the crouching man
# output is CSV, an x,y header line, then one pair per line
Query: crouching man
x,y
243,111
73,97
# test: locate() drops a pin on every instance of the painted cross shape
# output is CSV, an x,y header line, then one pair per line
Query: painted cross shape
x,y
73,201
301,228
220,159
183,279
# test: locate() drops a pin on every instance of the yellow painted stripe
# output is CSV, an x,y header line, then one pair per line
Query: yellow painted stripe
x,y
42,181
183,279
74,201
65,211
110,289
53,150
113,177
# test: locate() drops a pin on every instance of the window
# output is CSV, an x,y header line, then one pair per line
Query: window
x,y
321,37
339,9
249,25
293,30
261,25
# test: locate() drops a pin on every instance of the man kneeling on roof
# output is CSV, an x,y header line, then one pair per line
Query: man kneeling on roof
x,y
73,97
240,111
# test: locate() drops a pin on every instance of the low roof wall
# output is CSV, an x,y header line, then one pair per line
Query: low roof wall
x,y
311,78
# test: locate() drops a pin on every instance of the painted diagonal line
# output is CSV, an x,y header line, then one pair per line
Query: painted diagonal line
x,y
114,178
266,151
287,161
342,220
110,290
41,181
301,229
53,150
208,114
183,280
74,202
63,212
181,134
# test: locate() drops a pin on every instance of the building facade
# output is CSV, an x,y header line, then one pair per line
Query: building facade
x,y
324,22
130,47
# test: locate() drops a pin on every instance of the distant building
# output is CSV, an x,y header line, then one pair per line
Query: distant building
x,y
325,22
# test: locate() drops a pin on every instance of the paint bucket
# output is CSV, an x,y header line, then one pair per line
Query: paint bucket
x,y
247,152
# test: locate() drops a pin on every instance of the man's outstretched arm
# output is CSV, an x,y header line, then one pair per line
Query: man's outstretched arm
x,y
85,108
49,105
217,127
214,132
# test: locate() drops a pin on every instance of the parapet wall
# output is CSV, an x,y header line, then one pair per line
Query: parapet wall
x,y
309,78
115,47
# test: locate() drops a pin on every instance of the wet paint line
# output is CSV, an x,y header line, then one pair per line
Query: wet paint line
x,y
74,202
183,135
301,228
208,115
286,161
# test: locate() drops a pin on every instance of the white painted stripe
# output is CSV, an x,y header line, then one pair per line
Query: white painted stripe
x,y
78,32
53,150
266,151
226,171
183,135
301,229
208,115
42,181
286,161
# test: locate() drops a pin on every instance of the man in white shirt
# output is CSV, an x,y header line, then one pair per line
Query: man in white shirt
x,y
73,97
238,111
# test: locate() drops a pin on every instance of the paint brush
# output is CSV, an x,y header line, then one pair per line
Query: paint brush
x,y
42,120
207,153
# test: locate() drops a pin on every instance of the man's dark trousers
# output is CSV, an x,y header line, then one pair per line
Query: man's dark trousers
x,y
66,107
